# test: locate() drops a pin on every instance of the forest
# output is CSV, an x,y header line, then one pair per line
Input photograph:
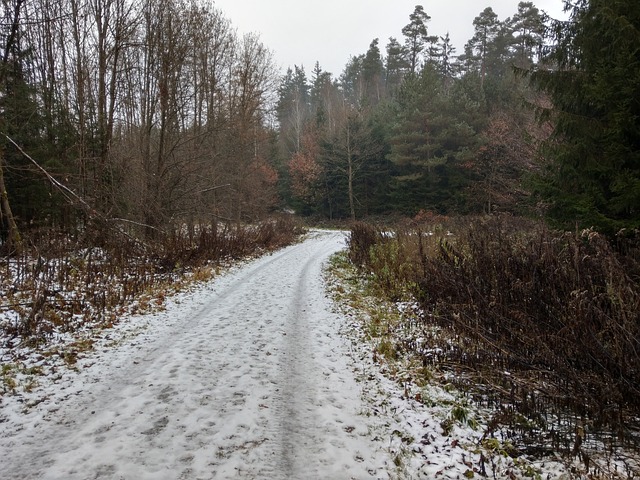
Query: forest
x,y
497,188
533,118
145,115
138,114
418,128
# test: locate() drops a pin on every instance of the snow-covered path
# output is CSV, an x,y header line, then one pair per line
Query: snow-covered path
x,y
246,378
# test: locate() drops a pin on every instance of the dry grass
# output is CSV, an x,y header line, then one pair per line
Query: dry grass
x,y
543,326
62,283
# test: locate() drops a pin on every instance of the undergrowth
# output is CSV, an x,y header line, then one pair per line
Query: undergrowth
x,y
540,327
63,283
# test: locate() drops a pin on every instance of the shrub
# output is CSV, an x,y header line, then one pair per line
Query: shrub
x,y
546,321
62,283
363,237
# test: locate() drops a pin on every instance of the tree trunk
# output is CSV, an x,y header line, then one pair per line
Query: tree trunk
x,y
352,208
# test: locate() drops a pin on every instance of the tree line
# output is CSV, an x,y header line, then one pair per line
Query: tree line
x,y
535,116
144,115
416,127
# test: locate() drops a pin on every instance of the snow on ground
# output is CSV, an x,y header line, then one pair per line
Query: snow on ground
x,y
434,431
246,377
252,375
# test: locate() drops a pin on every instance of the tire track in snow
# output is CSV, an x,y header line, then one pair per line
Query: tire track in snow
x,y
248,379
296,379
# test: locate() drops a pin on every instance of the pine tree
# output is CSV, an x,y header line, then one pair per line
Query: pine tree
x,y
416,37
527,31
433,136
481,49
593,79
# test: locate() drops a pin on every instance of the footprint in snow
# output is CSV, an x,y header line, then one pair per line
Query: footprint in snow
x,y
158,426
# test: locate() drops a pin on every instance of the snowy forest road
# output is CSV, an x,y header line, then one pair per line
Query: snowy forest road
x,y
246,378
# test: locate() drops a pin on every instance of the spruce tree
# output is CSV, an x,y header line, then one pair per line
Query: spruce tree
x,y
293,107
593,79
396,66
443,54
373,75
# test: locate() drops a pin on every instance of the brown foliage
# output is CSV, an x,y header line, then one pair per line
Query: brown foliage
x,y
545,321
63,285
304,168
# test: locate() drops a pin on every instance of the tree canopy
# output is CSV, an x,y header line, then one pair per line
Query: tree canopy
x,y
424,116
155,112
592,75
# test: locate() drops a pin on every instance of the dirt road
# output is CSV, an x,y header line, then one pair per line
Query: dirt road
x,y
246,378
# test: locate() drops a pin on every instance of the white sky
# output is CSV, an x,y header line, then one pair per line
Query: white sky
x,y
301,32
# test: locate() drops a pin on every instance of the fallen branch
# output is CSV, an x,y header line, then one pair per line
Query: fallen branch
x,y
70,195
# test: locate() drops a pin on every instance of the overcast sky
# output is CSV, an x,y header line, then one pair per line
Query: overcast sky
x,y
301,32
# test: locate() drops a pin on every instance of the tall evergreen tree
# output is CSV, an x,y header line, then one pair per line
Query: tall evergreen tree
x,y
29,192
352,80
434,135
481,48
373,75
396,65
293,107
11,237
416,37
320,84
527,31
443,55
593,175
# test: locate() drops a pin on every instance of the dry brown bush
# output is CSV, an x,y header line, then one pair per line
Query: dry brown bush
x,y
547,323
63,283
